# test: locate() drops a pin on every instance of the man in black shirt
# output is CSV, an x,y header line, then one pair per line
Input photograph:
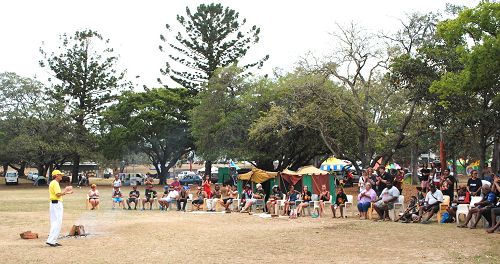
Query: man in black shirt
x,y
150,196
133,197
474,184
382,179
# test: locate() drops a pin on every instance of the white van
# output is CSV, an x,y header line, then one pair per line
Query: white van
x,y
183,174
132,178
11,178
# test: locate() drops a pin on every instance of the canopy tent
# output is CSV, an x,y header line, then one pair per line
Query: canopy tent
x,y
311,177
257,176
334,164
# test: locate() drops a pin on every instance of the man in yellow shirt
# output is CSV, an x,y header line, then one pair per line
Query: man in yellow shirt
x,y
56,207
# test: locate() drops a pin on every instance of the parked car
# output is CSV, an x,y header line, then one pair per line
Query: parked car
x,y
183,174
40,180
32,176
132,178
11,178
191,179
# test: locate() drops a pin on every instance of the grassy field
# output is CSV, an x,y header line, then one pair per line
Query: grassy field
x,y
164,237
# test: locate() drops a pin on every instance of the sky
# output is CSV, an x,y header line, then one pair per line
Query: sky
x,y
289,29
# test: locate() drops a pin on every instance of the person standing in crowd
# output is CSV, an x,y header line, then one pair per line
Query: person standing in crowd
x,y
117,182
424,179
365,178
474,184
56,207
206,186
447,183
382,179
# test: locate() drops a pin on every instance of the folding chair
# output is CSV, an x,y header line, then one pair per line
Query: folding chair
x,y
348,204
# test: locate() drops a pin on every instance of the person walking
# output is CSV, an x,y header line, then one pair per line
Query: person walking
x,y
56,207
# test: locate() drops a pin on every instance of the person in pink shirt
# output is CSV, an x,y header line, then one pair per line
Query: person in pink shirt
x,y
365,199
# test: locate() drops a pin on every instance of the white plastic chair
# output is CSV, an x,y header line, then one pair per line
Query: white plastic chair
x,y
280,204
462,209
398,207
189,203
348,204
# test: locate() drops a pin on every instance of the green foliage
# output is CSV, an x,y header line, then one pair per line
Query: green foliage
x,y
212,37
154,122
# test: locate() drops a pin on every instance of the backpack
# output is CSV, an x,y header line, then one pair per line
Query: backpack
x,y
77,230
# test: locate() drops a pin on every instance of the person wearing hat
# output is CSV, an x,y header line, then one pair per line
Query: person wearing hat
x,y
246,195
93,196
258,195
273,199
56,207
133,197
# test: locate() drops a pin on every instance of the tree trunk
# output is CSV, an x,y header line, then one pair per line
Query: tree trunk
x,y
5,169
363,140
76,169
495,162
414,164
208,167
482,152
162,174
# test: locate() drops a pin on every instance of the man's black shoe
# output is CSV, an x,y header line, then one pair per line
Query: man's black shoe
x,y
52,245
59,245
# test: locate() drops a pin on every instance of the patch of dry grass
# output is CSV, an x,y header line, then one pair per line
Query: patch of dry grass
x,y
165,237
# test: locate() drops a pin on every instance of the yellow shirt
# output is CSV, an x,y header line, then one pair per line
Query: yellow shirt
x,y
53,189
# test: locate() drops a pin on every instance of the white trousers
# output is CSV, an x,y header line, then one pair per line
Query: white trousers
x,y
56,217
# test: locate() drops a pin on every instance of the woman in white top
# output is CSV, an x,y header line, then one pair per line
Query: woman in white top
x,y
363,180
93,196
117,182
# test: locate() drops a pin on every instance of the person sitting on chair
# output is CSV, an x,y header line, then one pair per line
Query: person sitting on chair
x,y
386,201
118,198
324,196
232,192
246,195
487,202
149,197
273,199
433,199
182,198
463,197
339,202
133,197
169,196
411,212
216,196
200,198
258,195
93,196
292,197
306,198
365,199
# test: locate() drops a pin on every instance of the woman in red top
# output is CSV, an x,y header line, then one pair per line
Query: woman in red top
x,y
206,186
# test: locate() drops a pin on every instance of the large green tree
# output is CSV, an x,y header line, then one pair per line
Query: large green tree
x,y
212,37
154,122
473,37
86,81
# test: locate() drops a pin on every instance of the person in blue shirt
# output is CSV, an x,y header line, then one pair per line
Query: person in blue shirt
x,y
291,198
488,201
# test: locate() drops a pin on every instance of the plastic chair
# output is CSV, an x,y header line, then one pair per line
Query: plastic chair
x,y
88,205
461,209
280,204
398,208
189,203
348,204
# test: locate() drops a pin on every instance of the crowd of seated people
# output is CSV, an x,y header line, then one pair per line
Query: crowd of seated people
x,y
377,192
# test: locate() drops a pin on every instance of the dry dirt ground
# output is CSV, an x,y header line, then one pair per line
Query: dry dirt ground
x,y
123,236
